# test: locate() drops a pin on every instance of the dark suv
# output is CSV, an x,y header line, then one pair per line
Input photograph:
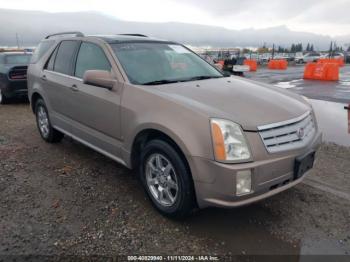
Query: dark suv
x,y
13,75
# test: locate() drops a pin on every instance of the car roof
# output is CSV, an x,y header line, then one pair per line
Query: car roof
x,y
110,39
113,39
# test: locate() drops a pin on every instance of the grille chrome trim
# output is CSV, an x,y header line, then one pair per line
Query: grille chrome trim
x,y
269,126
288,135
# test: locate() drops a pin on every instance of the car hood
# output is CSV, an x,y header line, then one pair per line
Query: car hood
x,y
248,103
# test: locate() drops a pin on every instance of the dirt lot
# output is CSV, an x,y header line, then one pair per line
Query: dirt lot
x,y
67,199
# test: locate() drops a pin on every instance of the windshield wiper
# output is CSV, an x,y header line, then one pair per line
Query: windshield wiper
x,y
160,82
166,81
202,78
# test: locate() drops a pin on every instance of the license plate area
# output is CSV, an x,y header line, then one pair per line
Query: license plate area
x,y
303,164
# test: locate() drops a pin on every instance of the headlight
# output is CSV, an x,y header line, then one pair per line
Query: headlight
x,y
229,141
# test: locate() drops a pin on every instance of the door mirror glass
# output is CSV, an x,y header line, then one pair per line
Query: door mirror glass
x,y
99,78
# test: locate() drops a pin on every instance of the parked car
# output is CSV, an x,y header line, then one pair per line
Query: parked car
x,y
235,66
196,137
333,55
347,58
265,58
13,75
308,57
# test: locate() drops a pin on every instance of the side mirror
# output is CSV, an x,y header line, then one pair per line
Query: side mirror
x,y
99,78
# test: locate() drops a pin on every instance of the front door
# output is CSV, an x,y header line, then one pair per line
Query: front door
x,y
95,111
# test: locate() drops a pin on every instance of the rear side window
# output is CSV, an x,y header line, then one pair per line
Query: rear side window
x,y
65,57
91,57
41,49
51,62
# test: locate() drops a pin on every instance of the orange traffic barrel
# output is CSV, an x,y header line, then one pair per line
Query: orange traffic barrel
x,y
322,71
253,65
278,64
339,61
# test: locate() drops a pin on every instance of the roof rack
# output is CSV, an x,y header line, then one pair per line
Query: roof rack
x,y
141,35
76,33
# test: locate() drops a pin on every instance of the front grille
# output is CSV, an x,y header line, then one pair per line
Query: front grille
x,y
18,73
288,135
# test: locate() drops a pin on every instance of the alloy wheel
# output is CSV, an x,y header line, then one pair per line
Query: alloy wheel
x,y
161,180
43,121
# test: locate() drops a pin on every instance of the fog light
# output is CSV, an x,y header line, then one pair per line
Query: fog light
x,y
243,182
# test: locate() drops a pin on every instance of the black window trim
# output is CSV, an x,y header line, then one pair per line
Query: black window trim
x,y
53,53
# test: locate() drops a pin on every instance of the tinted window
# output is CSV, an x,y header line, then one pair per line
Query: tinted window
x,y
65,57
50,63
17,59
91,57
42,48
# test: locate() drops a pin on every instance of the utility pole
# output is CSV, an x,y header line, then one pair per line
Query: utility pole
x,y
17,41
331,49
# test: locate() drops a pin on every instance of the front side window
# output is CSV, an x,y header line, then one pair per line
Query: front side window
x,y
90,57
156,63
65,57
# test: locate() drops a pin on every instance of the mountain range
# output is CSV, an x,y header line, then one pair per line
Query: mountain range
x,y
31,26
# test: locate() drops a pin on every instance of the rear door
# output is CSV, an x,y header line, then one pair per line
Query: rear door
x,y
95,111
58,78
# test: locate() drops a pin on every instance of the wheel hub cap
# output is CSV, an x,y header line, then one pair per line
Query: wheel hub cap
x,y
43,121
161,179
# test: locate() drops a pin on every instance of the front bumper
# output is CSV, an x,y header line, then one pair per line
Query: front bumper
x,y
215,183
16,88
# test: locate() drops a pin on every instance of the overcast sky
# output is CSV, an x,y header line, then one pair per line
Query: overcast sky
x,y
330,17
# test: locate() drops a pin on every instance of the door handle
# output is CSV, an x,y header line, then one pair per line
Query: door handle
x,y
43,77
74,88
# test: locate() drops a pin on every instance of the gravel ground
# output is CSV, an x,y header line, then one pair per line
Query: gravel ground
x,y
66,199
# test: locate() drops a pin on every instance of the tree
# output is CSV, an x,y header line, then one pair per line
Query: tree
x,y
292,49
348,49
262,50
246,50
308,47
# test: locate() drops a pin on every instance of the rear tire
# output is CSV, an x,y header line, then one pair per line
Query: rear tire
x,y
47,132
166,179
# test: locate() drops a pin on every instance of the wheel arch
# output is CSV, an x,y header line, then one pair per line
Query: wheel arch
x,y
148,134
35,97
145,135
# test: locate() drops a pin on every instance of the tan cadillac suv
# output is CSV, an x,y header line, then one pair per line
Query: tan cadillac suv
x,y
198,138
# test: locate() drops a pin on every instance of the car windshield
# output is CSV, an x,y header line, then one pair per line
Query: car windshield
x,y
160,63
17,59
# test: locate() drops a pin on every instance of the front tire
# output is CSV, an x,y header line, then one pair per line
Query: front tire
x,y
47,132
166,179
